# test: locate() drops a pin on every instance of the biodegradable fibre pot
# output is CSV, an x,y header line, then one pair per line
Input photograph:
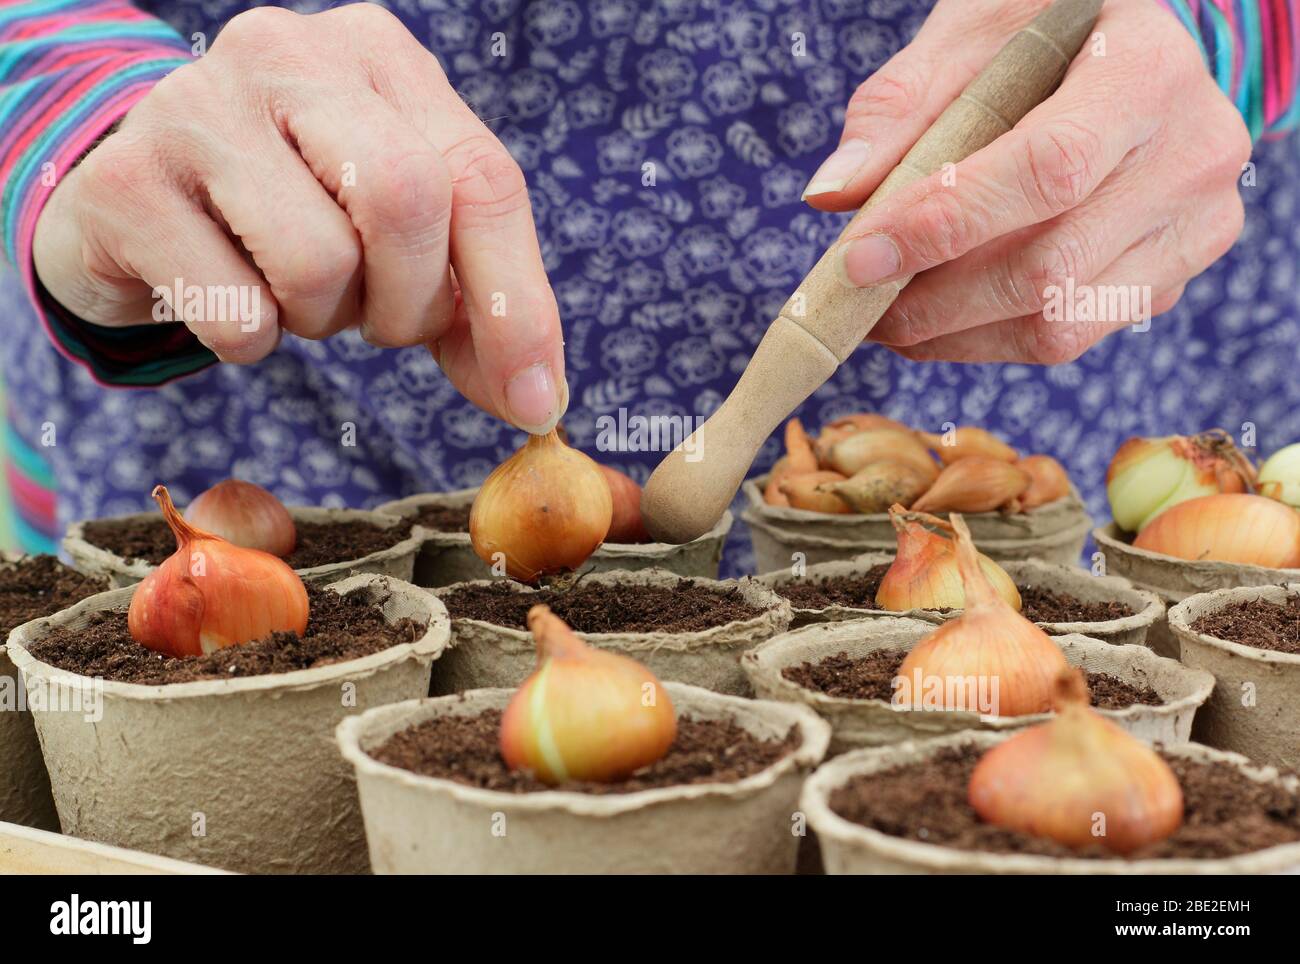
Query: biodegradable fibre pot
x,y
1173,579
849,848
484,655
1055,532
425,825
24,785
234,773
446,558
398,560
1255,707
1079,583
869,723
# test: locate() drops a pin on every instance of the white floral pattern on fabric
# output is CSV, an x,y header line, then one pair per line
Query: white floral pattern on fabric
x,y
664,289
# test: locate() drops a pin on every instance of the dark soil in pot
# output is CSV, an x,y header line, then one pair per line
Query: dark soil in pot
x,y
870,677
1260,624
443,518
40,586
338,628
1039,604
319,543
684,607
1226,814
466,749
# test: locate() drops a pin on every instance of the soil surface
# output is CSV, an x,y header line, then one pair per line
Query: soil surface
x,y
1040,605
443,518
1225,813
1263,625
338,628
466,749
319,543
41,586
855,592
870,677
685,607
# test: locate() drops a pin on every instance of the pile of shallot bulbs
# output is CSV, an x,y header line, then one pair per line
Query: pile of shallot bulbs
x,y
867,463
1198,497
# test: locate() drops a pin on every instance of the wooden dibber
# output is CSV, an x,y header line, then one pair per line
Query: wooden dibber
x,y
825,320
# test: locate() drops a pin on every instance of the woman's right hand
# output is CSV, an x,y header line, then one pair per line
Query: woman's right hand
x,y
325,163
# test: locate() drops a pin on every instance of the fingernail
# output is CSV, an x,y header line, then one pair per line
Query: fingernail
x,y
867,261
532,401
838,169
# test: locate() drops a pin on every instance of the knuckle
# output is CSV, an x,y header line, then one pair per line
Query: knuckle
x,y
1060,164
487,177
937,228
411,199
257,29
1228,228
1053,343
1048,264
318,269
892,93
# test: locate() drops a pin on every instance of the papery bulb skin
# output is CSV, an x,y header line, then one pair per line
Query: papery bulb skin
x,y
924,573
847,425
1148,476
545,509
247,515
211,594
966,442
1279,476
1235,527
1078,779
974,484
1048,481
1012,661
851,455
626,527
799,454
878,486
804,491
584,714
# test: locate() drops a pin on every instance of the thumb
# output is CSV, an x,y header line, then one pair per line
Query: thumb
x,y
890,111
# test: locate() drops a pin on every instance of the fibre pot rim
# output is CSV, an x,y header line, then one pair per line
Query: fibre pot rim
x,y
766,660
436,638
836,831
381,722
1180,621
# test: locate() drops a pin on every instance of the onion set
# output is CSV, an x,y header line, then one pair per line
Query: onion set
x,y
1078,779
211,594
1150,475
974,484
1010,659
967,441
925,574
1232,527
545,509
626,525
245,514
584,714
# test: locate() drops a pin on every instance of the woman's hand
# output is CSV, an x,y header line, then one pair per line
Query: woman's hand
x,y
325,163
1127,175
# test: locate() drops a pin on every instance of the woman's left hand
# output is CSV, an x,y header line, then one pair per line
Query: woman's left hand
x,y
1126,176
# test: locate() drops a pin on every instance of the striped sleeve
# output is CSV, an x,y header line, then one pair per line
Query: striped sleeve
x,y
69,69
1251,48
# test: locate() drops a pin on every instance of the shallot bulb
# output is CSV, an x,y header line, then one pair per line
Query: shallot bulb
x,y
925,574
1148,476
1234,527
584,713
247,515
545,509
1078,779
211,594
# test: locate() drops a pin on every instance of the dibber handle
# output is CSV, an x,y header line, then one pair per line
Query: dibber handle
x,y
825,320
